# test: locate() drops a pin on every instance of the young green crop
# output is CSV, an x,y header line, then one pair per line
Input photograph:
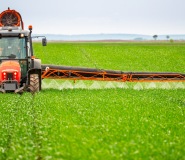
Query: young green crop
x,y
94,124
116,57
119,123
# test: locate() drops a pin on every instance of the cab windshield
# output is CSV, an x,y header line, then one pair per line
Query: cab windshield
x,y
12,48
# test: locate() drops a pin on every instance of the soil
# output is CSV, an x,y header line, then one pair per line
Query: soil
x,y
111,41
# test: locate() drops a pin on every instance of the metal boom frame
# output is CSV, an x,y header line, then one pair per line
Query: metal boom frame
x,y
105,76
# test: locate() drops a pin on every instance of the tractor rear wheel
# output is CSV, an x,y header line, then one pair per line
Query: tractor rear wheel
x,y
34,83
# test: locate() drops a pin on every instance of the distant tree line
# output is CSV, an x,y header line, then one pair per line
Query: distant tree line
x,y
167,37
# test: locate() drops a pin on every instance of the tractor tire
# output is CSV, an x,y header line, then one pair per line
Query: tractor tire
x,y
34,83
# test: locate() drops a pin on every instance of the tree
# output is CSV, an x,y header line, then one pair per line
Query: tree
x,y
155,37
167,37
171,40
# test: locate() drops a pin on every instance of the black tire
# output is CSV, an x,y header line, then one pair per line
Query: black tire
x,y
34,83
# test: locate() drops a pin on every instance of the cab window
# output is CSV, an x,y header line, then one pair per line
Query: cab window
x,y
12,47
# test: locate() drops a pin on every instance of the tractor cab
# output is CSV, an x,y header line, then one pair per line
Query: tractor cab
x,y
15,49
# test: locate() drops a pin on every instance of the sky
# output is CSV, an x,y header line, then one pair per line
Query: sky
x,y
74,17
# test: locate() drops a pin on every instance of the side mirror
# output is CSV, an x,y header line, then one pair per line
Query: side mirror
x,y
44,42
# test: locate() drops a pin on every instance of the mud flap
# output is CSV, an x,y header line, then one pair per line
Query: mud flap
x,y
34,71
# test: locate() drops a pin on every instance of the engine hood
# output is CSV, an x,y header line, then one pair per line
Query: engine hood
x,y
10,67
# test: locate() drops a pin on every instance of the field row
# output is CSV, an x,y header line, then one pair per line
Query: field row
x,y
93,124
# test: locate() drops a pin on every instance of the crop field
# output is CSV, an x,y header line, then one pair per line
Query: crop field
x,y
99,120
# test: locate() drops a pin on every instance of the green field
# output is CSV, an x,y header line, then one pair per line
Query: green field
x,y
111,121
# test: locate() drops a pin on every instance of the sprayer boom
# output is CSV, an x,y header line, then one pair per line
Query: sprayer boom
x,y
82,73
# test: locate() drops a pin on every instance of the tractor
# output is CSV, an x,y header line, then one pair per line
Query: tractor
x,y
19,69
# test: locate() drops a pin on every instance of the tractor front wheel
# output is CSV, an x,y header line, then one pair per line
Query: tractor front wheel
x,y
34,83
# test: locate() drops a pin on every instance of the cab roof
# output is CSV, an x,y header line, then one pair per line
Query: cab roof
x,y
12,31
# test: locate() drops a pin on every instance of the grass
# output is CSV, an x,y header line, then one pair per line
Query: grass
x,y
99,123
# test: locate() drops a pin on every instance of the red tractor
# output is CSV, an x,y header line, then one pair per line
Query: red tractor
x,y
19,69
